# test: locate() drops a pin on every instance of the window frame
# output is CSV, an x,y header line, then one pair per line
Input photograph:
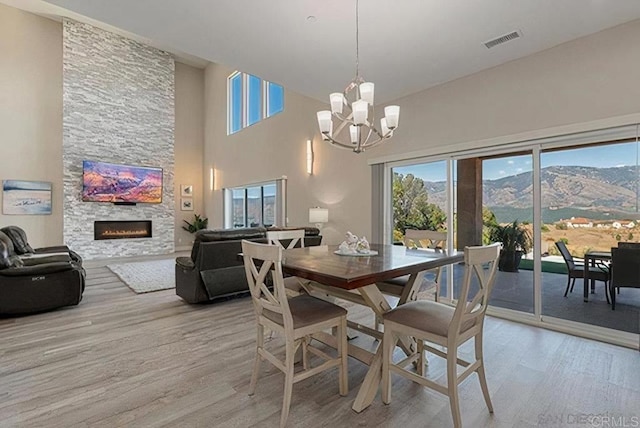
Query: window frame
x,y
245,102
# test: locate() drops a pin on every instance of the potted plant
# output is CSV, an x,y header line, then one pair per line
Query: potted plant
x,y
516,241
198,223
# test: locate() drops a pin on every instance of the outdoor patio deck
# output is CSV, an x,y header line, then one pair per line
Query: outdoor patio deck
x,y
514,290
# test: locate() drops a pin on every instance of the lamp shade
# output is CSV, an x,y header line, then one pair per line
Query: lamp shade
x,y
324,121
360,112
392,113
318,215
353,131
366,92
337,99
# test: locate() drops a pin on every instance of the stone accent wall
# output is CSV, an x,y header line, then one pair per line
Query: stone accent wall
x,y
119,108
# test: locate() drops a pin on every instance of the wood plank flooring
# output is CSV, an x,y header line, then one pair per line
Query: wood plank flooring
x,y
121,359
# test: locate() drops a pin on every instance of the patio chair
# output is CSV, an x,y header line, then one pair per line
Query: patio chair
x,y
446,327
625,270
296,319
575,269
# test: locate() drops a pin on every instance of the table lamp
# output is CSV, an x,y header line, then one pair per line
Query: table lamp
x,y
318,216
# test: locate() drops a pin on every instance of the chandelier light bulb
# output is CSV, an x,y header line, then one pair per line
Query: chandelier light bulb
x,y
353,130
386,132
392,113
324,122
366,92
337,100
360,112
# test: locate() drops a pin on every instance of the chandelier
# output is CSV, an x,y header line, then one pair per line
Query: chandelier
x,y
353,111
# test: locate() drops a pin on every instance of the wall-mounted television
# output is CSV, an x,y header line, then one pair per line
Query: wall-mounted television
x,y
108,182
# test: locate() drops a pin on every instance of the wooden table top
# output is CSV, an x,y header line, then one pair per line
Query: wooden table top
x,y
320,264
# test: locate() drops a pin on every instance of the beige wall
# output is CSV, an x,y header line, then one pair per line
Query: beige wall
x,y
572,86
31,114
277,146
189,144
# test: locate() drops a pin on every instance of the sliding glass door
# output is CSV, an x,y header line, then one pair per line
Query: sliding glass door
x,y
575,191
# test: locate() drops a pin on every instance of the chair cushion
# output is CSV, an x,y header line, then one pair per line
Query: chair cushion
x,y
307,310
426,315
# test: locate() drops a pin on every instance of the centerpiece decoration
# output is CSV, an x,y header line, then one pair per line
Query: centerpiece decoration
x,y
354,246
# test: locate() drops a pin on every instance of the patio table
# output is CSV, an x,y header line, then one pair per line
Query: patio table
x,y
590,259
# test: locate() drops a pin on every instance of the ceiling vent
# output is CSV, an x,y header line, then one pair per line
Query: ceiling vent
x,y
503,39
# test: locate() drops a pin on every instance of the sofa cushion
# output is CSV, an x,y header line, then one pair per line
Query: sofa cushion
x,y
308,231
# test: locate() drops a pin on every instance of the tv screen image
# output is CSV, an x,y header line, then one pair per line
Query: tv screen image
x,y
108,182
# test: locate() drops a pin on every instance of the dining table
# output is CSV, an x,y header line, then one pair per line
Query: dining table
x,y
360,279
591,258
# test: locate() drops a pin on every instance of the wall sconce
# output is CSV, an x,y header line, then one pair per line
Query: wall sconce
x,y
309,157
211,173
318,216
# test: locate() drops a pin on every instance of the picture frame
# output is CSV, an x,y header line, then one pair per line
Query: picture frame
x,y
186,190
23,197
186,204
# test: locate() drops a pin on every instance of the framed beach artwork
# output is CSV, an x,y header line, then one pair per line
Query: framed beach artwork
x,y
20,197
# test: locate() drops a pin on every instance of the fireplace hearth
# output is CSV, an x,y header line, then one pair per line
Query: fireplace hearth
x,y
122,229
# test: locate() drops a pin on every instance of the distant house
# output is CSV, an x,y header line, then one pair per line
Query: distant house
x,y
576,222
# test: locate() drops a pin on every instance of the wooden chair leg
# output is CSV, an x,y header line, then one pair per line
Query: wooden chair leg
x,y
612,292
481,374
606,291
420,368
573,282
343,352
388,344
452,386
256,363
305,353
288,381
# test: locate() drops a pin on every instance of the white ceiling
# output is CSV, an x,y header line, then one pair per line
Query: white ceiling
x,y
405,45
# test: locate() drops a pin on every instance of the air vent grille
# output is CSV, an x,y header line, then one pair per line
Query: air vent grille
x,y
503,39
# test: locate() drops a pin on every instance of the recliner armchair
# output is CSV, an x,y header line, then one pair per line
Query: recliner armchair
x,y
21,245
39,284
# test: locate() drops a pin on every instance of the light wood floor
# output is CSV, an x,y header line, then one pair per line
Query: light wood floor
x,y
151,360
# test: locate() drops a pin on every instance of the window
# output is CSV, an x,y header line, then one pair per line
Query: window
x,y
261,204
250,100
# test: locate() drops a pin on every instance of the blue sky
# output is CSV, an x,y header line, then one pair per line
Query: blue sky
x,y
597,156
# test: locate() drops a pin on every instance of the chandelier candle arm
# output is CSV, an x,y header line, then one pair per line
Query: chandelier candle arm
x,y
357,99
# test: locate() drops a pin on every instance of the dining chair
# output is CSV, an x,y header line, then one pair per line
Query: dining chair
x,y
436,323
287,239
296,319
415,239
625,270
575,269
418,239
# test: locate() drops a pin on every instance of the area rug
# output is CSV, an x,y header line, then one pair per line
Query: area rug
x,y
144,277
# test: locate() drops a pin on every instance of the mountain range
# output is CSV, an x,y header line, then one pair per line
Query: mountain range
x,y
567,191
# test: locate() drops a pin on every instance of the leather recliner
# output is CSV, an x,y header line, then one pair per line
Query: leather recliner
x,y
37,284
21,245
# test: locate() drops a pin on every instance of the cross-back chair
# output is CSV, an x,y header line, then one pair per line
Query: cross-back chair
x,y
287,239
440,324
296,319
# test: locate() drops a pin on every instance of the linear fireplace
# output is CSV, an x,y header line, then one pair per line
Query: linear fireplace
x,y
121,229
